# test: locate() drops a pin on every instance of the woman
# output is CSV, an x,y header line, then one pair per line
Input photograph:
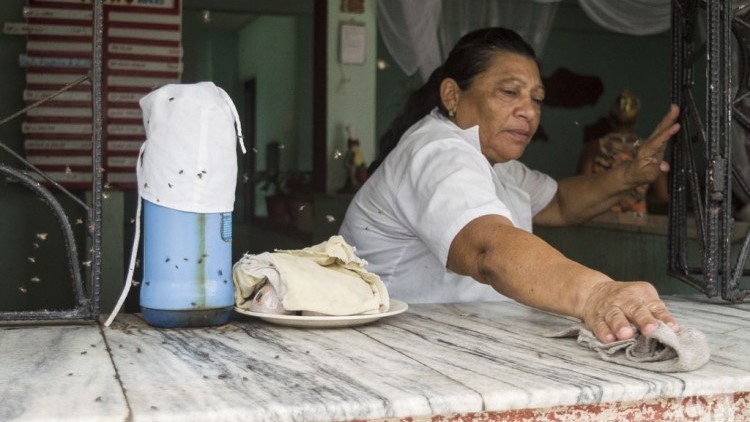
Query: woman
x,y
447,213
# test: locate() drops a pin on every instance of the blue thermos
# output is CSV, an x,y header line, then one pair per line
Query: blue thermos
x,y
187,268
187,175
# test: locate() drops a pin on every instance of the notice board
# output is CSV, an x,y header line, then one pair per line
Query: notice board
x,y
142,50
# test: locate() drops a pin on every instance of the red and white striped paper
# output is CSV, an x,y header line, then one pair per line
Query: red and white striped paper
x,y
142,50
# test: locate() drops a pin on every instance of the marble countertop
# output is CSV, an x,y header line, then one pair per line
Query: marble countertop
x,y
441,359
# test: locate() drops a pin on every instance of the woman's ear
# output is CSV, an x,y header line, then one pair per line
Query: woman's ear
x,y
449,93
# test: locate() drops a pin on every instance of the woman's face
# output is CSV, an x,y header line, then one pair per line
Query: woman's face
x,y
505,102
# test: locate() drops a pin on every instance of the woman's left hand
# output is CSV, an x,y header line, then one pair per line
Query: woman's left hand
x,y
649,162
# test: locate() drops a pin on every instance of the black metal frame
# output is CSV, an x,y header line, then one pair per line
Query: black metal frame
x,y
87,299
710,198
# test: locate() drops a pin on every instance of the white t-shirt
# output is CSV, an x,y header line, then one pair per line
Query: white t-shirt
x,y
436,180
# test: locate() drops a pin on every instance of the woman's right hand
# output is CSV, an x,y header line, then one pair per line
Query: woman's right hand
x,y
614,307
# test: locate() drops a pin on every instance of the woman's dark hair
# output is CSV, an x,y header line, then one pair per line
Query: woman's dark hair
x,y
468,58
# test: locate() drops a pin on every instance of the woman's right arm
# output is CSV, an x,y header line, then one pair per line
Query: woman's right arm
x,y
526,268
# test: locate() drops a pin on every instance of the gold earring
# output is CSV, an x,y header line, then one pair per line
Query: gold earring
x,y
452,114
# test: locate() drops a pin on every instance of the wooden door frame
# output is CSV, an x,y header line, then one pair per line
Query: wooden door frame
x,y
251,145
320,96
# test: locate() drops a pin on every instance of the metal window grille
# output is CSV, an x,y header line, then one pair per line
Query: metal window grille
x,y
86,296
702,174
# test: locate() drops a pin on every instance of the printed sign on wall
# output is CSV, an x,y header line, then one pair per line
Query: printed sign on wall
x,y
142,50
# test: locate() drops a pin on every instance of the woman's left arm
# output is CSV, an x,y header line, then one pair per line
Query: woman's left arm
x,y
579,198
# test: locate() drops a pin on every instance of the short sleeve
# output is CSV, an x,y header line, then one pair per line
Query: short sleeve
x,y
447,184
540,187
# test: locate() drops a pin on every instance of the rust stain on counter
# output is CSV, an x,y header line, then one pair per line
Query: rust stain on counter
x,y
723,407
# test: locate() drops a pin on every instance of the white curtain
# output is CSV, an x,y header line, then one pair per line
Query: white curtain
x,y
633,17
409,31
419,33
531,19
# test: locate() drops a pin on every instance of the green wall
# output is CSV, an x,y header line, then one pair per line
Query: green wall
x,y
276,51
277,83
394,87
640,63
351,92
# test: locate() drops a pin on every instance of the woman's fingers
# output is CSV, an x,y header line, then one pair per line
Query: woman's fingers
x,y
666,122
649,160
621,308
656,143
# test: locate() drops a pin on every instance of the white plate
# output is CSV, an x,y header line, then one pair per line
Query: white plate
x,y
396,308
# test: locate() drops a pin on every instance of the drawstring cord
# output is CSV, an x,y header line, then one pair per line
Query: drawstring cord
x,y
131,268
236,116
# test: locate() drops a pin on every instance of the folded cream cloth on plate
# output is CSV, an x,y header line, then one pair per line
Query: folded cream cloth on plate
x,y
663,351
327,278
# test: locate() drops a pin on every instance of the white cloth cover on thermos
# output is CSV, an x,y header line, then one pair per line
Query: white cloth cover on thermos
x,y
187,174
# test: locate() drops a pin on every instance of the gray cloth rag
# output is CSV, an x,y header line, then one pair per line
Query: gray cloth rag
x,y
663,351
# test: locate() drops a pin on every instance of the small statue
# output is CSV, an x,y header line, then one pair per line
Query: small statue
x,y
621,145
356,169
